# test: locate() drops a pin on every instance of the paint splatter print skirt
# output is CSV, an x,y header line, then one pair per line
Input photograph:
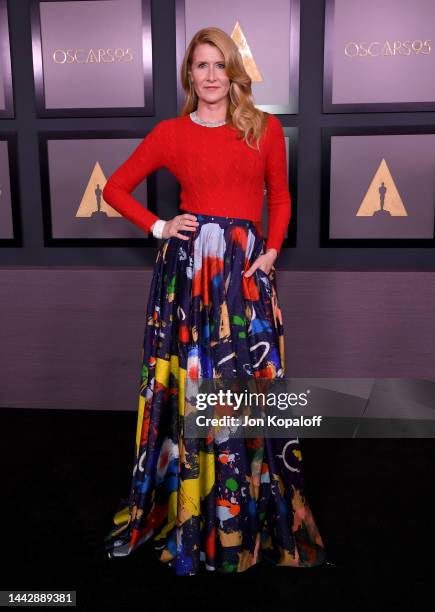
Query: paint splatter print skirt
x,y
202,504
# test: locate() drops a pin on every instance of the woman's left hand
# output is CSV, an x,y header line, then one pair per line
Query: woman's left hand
x,y
265,262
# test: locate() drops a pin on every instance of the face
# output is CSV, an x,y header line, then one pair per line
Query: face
x,y
208,73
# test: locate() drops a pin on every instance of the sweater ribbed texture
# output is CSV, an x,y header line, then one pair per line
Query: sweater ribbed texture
x,y
218,174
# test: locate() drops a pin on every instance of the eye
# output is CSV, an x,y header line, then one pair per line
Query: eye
x,y
220,64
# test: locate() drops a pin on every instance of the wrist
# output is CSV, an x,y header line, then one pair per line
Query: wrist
x,y
157,228
272,250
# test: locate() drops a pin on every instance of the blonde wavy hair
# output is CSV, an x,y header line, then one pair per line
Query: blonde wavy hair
x,y
241,112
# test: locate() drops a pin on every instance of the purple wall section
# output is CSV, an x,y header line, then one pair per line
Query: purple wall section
x,y
72,338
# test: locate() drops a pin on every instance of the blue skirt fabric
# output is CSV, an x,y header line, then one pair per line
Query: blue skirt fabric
x,y
222,504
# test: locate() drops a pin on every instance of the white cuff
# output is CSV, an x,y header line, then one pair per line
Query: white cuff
x,y
158,228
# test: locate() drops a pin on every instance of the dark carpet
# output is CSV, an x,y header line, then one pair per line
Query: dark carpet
x,y
63,473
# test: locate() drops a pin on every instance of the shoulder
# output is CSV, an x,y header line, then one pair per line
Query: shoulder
x,y
172,129
274,126
166,126
274,134
172,124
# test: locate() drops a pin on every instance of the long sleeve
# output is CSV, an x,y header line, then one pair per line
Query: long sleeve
x,y
278,195
147,157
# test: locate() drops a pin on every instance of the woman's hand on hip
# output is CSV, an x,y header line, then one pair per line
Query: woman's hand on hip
x,y
265,262
185,221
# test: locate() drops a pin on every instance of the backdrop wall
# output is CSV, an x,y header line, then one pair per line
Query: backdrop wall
x,y
73,318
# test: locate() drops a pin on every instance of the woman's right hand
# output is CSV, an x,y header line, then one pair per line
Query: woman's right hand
x,y
172,227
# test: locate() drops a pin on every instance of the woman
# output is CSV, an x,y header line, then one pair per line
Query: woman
x,y
212,312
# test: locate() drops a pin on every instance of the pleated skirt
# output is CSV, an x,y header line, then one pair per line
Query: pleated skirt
x,y
221,504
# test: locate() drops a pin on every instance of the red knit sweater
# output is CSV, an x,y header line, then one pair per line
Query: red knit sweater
x,y
218,174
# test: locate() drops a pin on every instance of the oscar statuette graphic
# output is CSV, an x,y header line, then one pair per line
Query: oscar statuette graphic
x,y
382,191
93,203
382,197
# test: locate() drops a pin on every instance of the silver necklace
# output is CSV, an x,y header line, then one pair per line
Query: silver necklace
x,y
197,119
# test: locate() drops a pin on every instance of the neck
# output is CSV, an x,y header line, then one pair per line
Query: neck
x,y
211,113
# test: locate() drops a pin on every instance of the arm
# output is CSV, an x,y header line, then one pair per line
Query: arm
x,y
147,157
278,195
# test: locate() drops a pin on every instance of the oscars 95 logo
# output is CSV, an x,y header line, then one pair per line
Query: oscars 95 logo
x,y
92,56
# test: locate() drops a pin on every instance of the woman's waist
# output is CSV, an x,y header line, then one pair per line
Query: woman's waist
x,y
208,215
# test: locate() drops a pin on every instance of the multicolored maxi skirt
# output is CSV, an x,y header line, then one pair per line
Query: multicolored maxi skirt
x,y
227,504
